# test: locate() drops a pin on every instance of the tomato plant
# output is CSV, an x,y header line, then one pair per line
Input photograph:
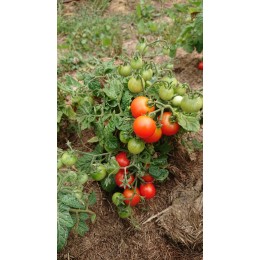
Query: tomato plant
x,y
144,126
122,159
140,106
132,197
132,111
147,190
168,127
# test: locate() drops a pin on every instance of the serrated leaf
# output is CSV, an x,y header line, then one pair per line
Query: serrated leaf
x,y
72,201
64,224
189,123
92,199
126,99
62,236
157,173
113,89
111,143
94,139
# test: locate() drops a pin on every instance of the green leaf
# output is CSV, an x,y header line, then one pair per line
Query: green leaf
x,y
93,218
64,223
160,161
59,116
113,88
92,199
126,99
112,167
72,82
189,123
83,216
94,139
72,201
69,112
111,143
108,184
62,236
163,147
81,228
157,173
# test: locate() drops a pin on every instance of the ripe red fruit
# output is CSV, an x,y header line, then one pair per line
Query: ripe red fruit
x,y
200,65
147,190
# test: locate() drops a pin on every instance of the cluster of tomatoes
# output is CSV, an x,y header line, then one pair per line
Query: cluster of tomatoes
x,y
132,194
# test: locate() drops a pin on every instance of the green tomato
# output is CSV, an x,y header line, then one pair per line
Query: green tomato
x,y
99,173
166,51
169,66
172,81
125,70
124,212
177,100
78,194
68,159
135,146
180,89
141,47
124,137
190,105
136,85
118,198
166,93
59,164
147,74
82,178
108,184
136,63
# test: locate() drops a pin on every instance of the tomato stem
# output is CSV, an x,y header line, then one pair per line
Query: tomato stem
x,y
82,211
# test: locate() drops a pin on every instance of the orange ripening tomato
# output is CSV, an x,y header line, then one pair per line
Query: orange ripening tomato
x,y
155,137
132,196
139,106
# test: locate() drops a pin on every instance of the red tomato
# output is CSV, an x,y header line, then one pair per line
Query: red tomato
x,y
200,65
144,126
169,128
147,190
139,106
132,196
119,179
155,137
122,159
148,178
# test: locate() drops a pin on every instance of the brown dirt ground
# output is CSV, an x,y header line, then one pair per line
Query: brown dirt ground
x,y
174,230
